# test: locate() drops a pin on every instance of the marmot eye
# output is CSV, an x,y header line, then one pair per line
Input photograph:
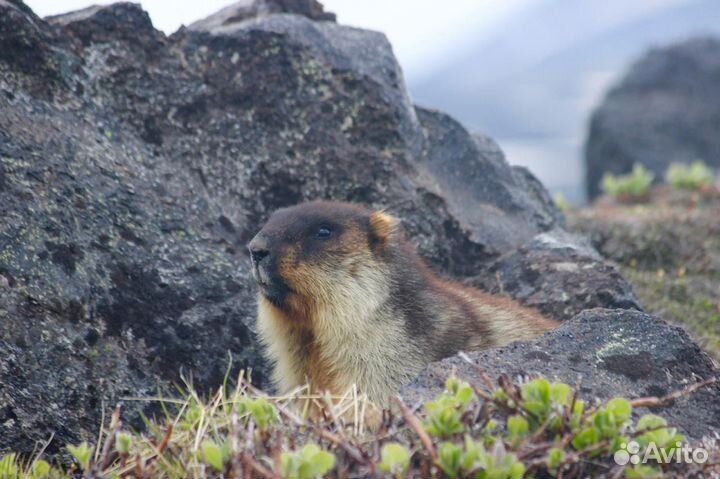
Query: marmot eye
x,y
324,232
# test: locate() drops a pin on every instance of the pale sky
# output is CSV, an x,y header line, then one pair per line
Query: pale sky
x,y
422,32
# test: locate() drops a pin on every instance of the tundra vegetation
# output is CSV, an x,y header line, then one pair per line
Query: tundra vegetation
x,y
635,187
696,176
504,430
630,188
668,247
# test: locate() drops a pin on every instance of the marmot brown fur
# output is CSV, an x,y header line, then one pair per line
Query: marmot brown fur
x,y
344,299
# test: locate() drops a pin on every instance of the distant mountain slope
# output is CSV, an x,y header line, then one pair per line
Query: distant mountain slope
x,y
532,84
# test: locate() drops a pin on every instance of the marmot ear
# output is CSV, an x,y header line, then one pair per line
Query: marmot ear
x,y
382,226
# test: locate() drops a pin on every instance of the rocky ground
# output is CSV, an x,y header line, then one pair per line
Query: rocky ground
x,y
669,248
134,166
607,354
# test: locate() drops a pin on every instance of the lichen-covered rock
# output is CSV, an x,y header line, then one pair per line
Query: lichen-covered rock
x,y
666,109
669,249
134,167
246,9
560,274
499,206
30,63
610,353
112,284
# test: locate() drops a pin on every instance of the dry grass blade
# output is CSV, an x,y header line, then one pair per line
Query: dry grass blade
x,y
108,452
259,468
672,397
338,441
480,371
414,423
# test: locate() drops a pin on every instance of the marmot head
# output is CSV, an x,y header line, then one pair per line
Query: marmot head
x,y
320,252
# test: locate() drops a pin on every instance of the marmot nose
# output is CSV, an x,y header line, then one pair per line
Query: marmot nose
x,y
258,249
258,254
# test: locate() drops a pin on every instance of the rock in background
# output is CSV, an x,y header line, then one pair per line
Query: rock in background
x,y
666,109
669,249
560,274
606,353
135,166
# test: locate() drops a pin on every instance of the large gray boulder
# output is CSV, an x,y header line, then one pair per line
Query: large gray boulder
x,y
135,166
247,9
560,274
609,353
499,206
666,109
111,284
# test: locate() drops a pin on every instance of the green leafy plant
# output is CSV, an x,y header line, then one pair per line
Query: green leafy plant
x,y
643,471
543,399
607,425
562,202
500,464
82,454
12,468
689,177
474,458
263,413
9,467
40,469
518,428
555,458
450,459
506,431
632,187
123,442
216,456
395,459
308,463
657,432
444,415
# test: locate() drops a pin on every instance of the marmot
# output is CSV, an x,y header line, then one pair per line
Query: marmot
x,y
344,299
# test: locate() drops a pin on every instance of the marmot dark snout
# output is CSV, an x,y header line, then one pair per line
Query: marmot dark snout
x,y
344,299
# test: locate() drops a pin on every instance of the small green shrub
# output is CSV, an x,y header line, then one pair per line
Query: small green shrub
x,y
693,177
82,454
308,463
473,457
562,202
635,186
511,431
444,415
260,410
395,459
214,455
